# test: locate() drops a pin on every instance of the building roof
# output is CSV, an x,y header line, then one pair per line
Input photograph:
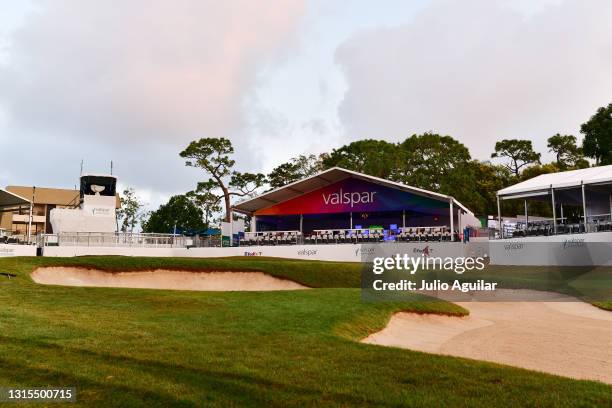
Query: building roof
x,y
326,178
98,175
51,196
43,195
562,180
9,199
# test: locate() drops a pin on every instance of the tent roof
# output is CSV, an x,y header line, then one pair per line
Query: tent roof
x,y
565,179
8,199
324,179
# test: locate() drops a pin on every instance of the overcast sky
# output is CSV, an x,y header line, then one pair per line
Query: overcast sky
x,y
92,81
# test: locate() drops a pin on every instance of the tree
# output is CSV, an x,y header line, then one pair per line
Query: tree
x,y
520,153
597,142
205,199
538,169
568,154
130,212
296,169
377,158
427,160
213,156
486,180
179,211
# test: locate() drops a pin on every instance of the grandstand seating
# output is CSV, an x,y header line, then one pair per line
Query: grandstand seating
x,y
349,236
545,228
271,238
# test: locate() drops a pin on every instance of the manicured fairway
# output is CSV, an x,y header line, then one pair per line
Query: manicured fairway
x,y
128,347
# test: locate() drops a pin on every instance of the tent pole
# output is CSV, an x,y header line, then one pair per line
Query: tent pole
x,y
499,222
452,220
552,195
584,212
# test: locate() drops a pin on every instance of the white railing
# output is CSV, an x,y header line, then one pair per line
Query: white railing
x,y
105,239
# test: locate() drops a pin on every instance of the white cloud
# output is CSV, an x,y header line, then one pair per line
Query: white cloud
x,y
480,71
145,70
88,80
135,83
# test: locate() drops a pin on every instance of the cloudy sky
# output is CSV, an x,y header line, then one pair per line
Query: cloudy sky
x,y
94,81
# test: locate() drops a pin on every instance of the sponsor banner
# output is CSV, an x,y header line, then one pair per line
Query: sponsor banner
x,y
355,195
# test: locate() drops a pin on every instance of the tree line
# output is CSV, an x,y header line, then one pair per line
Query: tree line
x,y
430,161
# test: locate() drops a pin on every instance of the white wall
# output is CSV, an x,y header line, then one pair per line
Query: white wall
x,y
577,249
17,250
332,252
559,250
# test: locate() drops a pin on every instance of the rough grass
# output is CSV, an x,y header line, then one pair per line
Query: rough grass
x,y
129,347
604,305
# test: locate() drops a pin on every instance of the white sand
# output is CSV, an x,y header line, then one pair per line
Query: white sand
x,y
564,337
163,279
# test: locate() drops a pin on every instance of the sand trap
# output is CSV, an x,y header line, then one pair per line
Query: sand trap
x,y
566,337
163,279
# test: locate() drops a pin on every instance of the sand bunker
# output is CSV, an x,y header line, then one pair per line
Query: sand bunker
x,y
564,337
163,279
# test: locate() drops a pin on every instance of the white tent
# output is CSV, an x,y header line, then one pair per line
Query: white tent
x,y
336,174
543,183
589,188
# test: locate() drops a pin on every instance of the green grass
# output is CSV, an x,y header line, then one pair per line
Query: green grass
x,y
128,347
604,305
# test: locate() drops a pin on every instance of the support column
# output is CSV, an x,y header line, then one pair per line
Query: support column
x,y
499,220
526,215
30,218
404,216
302,223
351,220
584,212
452,219
254,224
554,208
610,206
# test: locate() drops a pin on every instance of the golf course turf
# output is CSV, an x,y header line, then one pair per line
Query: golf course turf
x,y
131,347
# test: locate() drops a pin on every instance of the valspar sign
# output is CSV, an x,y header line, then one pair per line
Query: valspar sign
x,y
349,198
353,195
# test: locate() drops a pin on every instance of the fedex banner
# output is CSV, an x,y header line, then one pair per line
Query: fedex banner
x,y
355,195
